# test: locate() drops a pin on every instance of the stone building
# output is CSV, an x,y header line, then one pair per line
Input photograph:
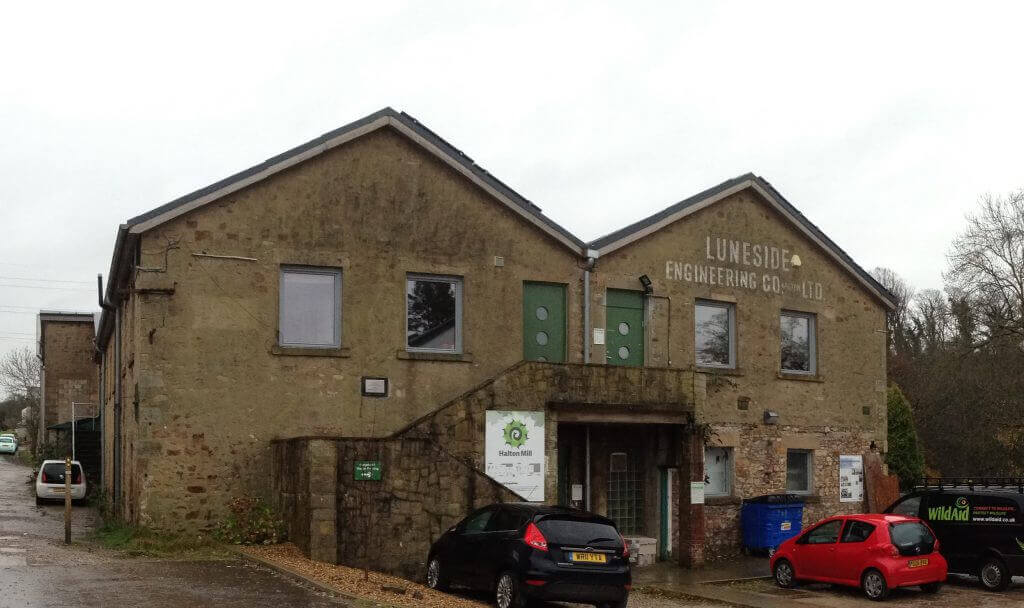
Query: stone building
x,y
377,334
65,349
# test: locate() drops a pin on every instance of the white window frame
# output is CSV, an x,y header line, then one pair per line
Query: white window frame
x,y
812,339
318,270
810,471
708,449
731,308
436,278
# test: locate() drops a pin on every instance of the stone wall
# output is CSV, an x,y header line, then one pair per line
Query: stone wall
x,y
69,373
388,525
759,457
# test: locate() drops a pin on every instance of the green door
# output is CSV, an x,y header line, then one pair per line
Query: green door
x,y
544,322
624,327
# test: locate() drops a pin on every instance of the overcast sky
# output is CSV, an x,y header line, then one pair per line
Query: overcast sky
x,y
882,122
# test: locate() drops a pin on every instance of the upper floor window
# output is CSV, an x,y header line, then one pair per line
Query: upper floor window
x,y
433,313
798,342
310,307
715,332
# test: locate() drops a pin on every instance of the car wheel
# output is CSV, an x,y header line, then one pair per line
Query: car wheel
x,y
874,585
785,577
931,587
994,575
507,593
39,501
437,577
619,604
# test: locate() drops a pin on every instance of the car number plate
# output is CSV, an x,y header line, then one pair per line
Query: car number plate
x,y
917,563
590,558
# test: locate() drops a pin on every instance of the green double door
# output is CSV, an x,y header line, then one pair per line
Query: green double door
x,y
544,322
624,327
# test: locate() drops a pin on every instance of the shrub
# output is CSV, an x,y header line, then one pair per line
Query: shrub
x,y
904,457
251,522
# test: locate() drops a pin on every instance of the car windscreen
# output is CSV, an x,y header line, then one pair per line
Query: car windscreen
x,y
6,440
911,538
53,472
571,531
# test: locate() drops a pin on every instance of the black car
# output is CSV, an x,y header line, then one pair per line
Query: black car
x,y
523,552
979,527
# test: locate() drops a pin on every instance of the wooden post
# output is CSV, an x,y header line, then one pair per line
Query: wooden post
x,y
67,500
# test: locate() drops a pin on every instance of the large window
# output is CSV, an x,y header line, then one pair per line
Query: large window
x,y
717,471
799,471
715,332
310,315
798,342
433,313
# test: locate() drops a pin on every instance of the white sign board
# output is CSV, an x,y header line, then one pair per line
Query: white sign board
x,y
514,451
696,492
851,478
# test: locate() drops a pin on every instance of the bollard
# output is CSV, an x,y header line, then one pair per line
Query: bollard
x,y
67,500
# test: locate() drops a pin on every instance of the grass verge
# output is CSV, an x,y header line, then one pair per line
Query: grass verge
x,y
138,541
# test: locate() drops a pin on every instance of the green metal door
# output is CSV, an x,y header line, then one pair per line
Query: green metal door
x,y
544,322
624,327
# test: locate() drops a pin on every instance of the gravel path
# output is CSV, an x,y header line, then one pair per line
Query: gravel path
x,y
354,582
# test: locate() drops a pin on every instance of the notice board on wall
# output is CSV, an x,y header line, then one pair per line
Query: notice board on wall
x,y
514,451
851,478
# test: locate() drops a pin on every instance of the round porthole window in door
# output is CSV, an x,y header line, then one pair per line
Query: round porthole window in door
x,y
542,313
623,328
623,352
542,338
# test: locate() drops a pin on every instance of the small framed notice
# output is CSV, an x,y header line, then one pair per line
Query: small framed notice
x,y
375,387
696,492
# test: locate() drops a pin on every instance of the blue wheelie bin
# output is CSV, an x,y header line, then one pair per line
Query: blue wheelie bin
x,y
769,520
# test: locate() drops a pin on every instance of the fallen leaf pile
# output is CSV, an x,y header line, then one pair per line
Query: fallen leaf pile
x,y
379,588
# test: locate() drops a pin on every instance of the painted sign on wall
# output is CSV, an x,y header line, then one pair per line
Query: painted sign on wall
x,y
851,478
514,451
759,267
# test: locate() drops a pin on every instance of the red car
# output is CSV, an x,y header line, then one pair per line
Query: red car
x,y
875,552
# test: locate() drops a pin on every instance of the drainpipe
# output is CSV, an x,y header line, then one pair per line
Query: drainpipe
x,y
591,261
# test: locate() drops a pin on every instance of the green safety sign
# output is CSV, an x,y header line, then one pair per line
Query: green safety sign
x,y
367,470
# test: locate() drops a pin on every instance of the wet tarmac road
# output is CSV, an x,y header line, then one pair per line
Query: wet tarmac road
x,y
37,570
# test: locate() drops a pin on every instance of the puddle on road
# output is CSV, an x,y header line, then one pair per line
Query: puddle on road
x,y
12,561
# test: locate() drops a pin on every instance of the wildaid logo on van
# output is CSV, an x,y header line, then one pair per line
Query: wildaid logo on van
x,y
960,510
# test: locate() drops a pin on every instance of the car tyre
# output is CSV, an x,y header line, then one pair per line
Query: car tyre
x,y
874,586
437,575
39,501
784,574
994,575
931,587
619,604
507,593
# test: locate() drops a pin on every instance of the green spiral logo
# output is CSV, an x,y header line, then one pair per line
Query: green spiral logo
x,y
961,502
515,433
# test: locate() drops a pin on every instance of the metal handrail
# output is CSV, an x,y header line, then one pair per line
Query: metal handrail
x,y
971,483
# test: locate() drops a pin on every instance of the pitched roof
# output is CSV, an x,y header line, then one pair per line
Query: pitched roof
x,y
387,117
637,230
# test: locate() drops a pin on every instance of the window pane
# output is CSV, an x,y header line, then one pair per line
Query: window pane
x,y
798,471
712,335
432,322
796,343
824,534
716,471
857,532
309,308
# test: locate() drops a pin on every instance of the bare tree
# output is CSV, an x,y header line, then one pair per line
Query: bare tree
x,y
986,264
19,373
931,319
899,317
